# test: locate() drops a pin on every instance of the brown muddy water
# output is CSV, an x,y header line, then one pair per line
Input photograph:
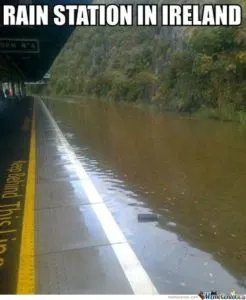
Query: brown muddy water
x,y
192,173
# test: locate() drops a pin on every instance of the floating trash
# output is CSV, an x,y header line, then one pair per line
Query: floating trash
x,y
182,283
147,217
171,224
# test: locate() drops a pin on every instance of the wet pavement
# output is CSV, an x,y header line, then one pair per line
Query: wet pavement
x,y
79,247
14,149
190,173
109,164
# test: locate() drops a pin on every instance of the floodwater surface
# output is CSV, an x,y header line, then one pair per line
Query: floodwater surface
x,y
191,173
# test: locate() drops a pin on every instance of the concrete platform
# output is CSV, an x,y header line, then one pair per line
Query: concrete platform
x,y
56,234
64,232
73,252
14,159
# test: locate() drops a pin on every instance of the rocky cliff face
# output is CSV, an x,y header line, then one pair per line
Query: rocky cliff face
x,y
175,34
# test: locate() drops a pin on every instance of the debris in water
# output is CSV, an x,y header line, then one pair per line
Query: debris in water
x,y
167,281
147,217
172,224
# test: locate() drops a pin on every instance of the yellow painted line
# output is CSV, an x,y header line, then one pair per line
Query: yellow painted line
x,y
26,272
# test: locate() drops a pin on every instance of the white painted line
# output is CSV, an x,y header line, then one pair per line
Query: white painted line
x,y
131,266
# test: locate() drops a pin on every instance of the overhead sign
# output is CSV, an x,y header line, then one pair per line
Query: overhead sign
x,y
19,45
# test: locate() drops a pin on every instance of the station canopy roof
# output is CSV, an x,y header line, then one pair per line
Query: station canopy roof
x,y
33,66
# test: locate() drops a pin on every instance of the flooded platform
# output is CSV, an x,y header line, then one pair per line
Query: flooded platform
x,y
79,247
64,229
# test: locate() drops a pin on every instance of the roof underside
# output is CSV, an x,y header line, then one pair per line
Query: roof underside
x,y
32,67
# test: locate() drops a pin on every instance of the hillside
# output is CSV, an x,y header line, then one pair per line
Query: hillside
x,y
194,70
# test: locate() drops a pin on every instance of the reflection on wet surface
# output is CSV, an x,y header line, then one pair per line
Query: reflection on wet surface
x,y
192,173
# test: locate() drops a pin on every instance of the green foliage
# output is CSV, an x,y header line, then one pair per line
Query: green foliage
x,y
142,64
242,117
36,89
210,76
